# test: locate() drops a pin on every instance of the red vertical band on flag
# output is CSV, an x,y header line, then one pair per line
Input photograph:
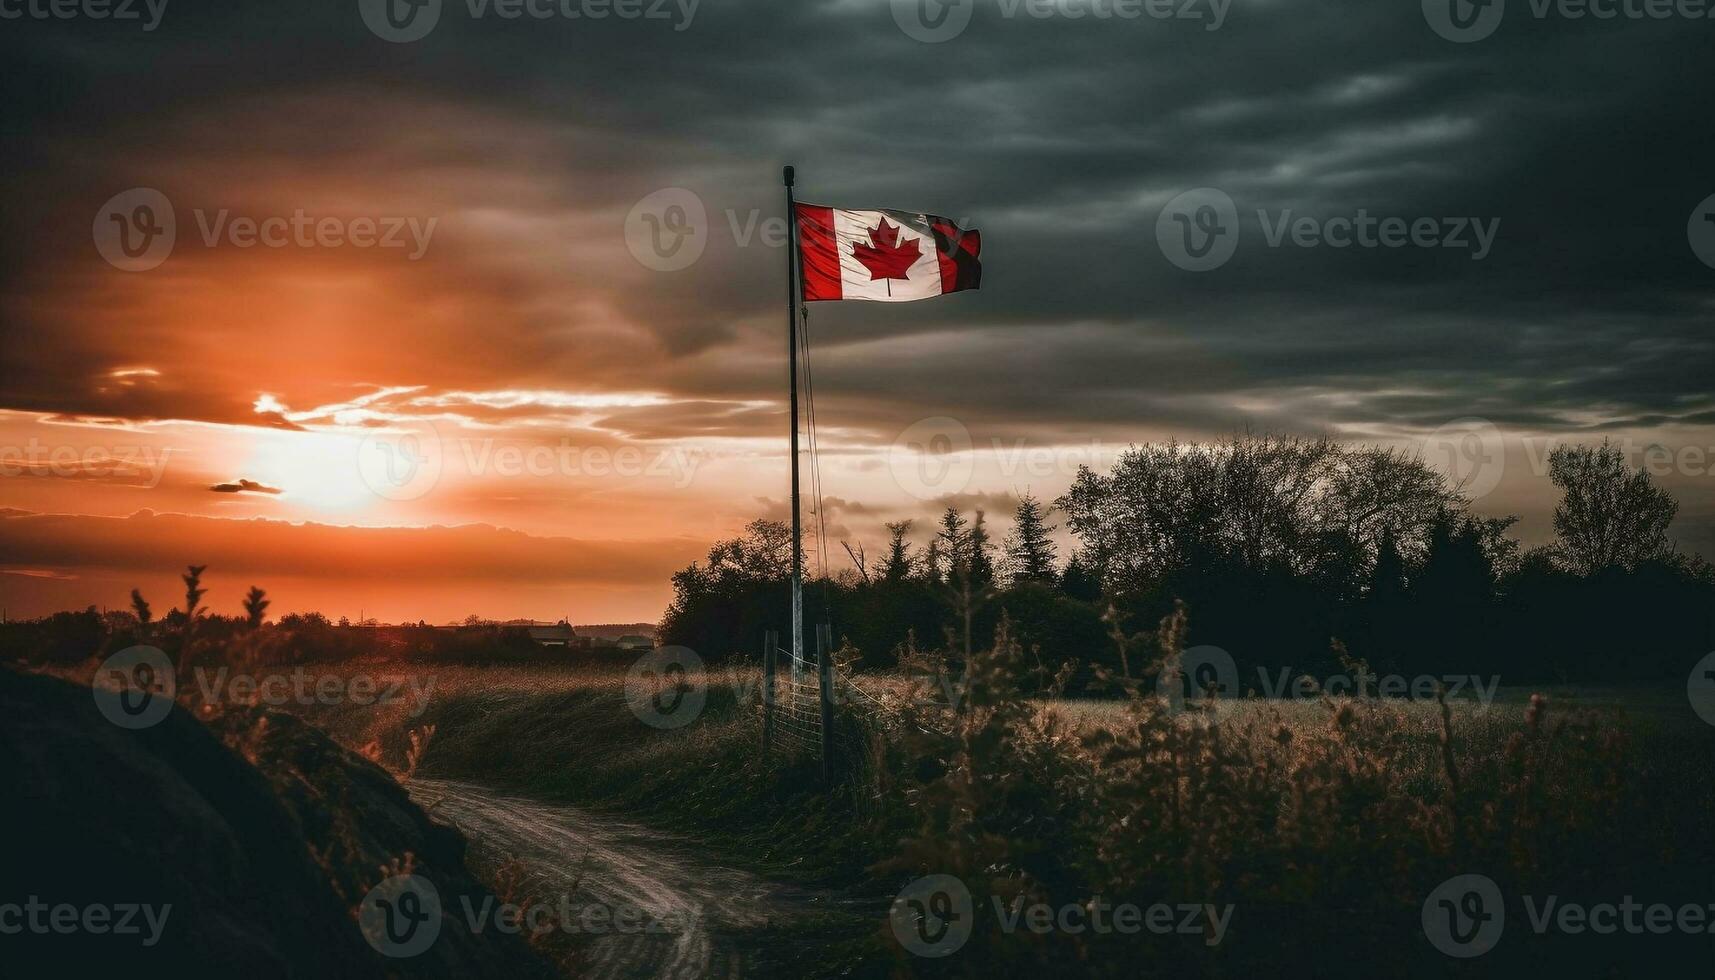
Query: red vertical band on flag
x,y
819,253
956,251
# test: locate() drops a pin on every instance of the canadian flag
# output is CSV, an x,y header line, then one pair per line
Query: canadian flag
x,y
889,256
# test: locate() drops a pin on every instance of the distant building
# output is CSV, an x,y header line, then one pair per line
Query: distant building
x,y
557,636
635,641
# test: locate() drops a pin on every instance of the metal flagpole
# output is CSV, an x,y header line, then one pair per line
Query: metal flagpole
x,y
794,292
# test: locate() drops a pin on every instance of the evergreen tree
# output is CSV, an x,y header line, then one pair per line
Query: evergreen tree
x,y
896,567
193,609
1030,553
951,536
1456,570
193,593
977,549
255,607
932,561
1387,575
140,606
1081,580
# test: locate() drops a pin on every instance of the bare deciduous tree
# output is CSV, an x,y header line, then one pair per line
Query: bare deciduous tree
x,y
1310,505
1610,516
859,561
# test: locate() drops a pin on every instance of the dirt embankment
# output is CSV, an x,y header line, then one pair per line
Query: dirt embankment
x,y
243,847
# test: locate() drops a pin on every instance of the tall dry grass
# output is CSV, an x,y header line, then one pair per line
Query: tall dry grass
x,y
1323,821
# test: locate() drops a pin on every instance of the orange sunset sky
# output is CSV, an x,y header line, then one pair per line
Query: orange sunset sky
x,y
585,424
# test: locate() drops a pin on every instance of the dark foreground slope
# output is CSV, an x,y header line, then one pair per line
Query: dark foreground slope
x,y
261,834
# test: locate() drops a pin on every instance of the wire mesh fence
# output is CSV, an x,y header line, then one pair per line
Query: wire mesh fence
x,y
791,701
798,703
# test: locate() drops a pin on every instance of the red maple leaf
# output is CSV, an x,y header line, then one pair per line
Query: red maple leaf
x,y
885,257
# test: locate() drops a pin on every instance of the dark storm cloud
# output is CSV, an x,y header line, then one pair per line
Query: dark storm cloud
x,y
1061,139
245,486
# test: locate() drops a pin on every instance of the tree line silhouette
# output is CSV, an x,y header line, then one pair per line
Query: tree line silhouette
x,y
1287,552
194,637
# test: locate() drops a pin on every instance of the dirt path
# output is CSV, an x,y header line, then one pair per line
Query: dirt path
x,y
597,861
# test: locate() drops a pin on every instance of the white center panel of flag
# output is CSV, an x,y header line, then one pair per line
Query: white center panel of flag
x,y
876,248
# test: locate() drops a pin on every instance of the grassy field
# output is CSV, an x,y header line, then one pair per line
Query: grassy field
x,y
1325,819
